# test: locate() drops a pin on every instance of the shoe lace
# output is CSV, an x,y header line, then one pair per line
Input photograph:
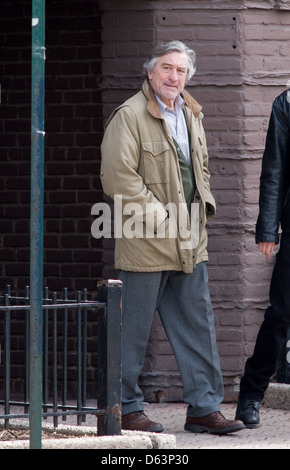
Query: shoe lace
x,y
255,404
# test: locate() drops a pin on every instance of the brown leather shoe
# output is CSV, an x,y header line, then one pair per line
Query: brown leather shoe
x,y
138,421
215,423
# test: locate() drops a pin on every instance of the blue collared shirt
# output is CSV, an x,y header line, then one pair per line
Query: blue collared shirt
x,y
176,122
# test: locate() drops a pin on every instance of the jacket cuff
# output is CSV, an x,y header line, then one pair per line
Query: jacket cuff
x,y
267,238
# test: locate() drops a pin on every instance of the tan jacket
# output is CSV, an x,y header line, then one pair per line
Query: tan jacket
x,y
140,169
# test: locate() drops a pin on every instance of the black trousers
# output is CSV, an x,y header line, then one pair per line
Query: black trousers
x,y
273,331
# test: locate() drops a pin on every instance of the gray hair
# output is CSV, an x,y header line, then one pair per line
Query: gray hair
x,y
172,46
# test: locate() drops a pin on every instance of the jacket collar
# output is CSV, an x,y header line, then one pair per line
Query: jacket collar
x,y
153,107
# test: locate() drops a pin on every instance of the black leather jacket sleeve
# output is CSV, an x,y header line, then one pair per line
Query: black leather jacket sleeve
x,y
275,178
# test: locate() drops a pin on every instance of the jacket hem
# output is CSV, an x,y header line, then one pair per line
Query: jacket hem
x,y
173,267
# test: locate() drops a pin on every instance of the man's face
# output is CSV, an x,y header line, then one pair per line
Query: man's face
x,y
169,76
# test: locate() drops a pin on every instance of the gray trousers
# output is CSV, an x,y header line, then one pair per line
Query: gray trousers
x,y
184,305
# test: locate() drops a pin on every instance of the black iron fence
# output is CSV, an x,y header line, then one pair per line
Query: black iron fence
x,y
65,339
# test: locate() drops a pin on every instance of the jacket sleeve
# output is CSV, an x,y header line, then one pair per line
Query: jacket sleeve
x,y
274,173
120,151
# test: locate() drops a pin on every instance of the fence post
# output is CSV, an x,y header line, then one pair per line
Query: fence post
x,y
109,354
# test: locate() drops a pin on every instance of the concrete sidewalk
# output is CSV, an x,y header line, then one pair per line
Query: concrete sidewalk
x,y
274,432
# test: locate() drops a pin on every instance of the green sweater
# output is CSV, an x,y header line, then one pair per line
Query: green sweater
x,y
187,176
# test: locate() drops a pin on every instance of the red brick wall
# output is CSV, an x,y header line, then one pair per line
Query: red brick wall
x,y
73,125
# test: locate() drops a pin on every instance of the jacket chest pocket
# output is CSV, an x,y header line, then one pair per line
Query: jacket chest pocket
x,y
155,156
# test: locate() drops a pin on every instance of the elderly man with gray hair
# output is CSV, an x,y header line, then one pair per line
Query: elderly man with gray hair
x,y
155,166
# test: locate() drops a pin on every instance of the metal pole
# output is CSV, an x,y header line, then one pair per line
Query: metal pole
x,y
36,216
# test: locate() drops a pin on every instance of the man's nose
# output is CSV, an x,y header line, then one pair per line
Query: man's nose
x,y
173,75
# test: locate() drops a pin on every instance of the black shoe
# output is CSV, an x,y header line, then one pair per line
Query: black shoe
x,y
248,412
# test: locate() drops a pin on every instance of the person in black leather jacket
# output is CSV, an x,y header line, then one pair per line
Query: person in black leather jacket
x,y
274,212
